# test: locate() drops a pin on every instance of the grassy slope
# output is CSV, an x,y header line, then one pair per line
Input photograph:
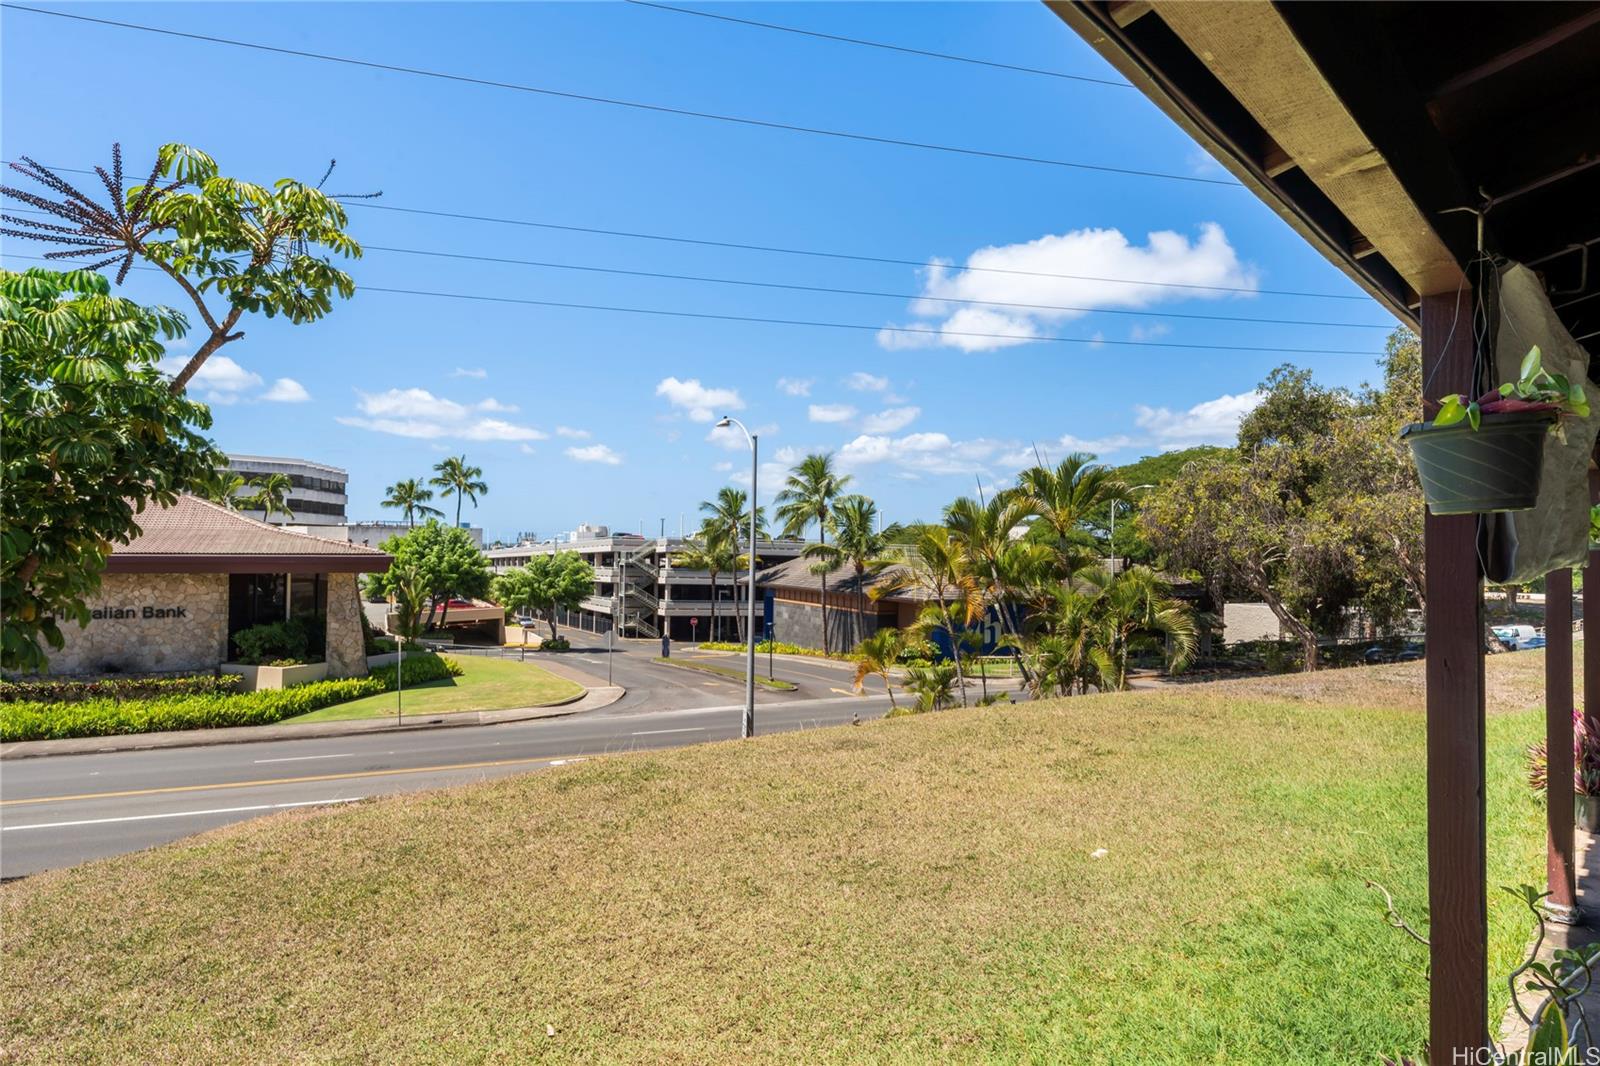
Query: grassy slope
x,y
487,685
912,889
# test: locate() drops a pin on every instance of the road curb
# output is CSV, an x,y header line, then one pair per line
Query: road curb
x,y
591,699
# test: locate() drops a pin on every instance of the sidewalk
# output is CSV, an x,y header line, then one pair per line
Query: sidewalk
x,y
597,694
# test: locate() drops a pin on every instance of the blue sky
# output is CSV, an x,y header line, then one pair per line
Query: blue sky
x,y
605,417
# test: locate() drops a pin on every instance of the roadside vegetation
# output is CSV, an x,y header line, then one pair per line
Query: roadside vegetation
x,y
157,709
478,684
1163,877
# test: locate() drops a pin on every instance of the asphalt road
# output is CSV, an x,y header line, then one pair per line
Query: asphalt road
x,y
65,809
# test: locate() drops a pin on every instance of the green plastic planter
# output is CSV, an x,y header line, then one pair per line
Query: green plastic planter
x,y
1495,467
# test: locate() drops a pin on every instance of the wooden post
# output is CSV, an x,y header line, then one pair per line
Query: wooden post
x,y
1562,904
1457,894
1591,612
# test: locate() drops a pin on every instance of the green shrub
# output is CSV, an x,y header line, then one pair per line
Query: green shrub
x,y
555,644
276,643
67,690
777,647
96,717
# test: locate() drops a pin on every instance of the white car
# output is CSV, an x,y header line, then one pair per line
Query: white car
x,y
1518,638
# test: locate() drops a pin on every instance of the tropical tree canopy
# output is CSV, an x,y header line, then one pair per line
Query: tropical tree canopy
x,y
438,560
546,584
728,515
807,497
257,248
92,435
271,496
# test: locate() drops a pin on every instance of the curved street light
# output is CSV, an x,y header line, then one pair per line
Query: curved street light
x,y
747,724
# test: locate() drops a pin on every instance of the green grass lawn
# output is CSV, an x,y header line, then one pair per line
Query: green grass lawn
x,y
920,889
486,685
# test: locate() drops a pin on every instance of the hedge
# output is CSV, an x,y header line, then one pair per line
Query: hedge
x,y
98,717
777,647
66,690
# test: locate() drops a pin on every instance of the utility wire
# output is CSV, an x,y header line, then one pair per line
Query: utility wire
x,y
863,292
775,249
763,320
637,105
883,45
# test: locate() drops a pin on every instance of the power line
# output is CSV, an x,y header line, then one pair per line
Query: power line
x,y
638,105
764,320
862,292
887,47
813,253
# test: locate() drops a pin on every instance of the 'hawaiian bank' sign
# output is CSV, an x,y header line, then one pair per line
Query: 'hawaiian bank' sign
x,y
146,612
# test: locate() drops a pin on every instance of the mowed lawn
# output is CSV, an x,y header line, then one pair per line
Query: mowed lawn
x,y
485,685
920,889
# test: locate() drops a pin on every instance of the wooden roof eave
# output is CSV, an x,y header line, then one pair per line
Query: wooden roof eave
x,y
1366,223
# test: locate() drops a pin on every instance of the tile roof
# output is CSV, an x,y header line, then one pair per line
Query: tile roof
x,y
198,530
796,573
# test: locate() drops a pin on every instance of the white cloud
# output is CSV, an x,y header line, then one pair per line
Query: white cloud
x,y
861,381
890,420
572,434
492,404
723,467
218,381
796,386
286,390
1051,452
920,453
419,414
830,412
527,449
1148,332
595,453
1212,422
700,403
729,437
474,372
1058,270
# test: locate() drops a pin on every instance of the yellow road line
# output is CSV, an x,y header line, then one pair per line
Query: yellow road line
x,y
285,780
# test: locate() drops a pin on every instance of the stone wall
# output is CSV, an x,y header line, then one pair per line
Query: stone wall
x,y
347,649
149,623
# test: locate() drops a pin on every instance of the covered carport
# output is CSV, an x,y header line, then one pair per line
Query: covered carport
x,y
1403,141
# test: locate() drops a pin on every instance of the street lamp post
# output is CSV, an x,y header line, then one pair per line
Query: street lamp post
x,y
1113,538
747,725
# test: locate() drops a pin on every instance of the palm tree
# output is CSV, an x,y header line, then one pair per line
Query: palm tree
x,y
411,497
729,514
858,543
932,683
984,533
1065,497
876,655
934,565
709,551
1137,613
456,478
271,496
225,489
806,497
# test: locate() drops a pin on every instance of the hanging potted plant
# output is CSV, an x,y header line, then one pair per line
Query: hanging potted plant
x,y
1487,454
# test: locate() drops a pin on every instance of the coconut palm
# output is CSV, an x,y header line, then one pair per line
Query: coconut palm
x,y
411,497
271,496
934,565
455,478
1065,497
858,544
709,550
729,515
225,489
806,497
876,655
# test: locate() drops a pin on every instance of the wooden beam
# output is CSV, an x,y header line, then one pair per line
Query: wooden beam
x,y
1457,867
1251,49
1522,52
1591,633
1360,247
1125,12
1274,160
1558,705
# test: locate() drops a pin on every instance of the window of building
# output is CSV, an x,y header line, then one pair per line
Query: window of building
x,y
257,599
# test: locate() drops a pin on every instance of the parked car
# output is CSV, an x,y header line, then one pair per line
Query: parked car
x,y
1407,651
1519,637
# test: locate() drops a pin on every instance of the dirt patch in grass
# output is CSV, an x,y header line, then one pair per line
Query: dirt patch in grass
x,y
920,889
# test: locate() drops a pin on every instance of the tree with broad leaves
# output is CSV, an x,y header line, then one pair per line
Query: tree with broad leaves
x,y
440,560
211,234
92,436
546,584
